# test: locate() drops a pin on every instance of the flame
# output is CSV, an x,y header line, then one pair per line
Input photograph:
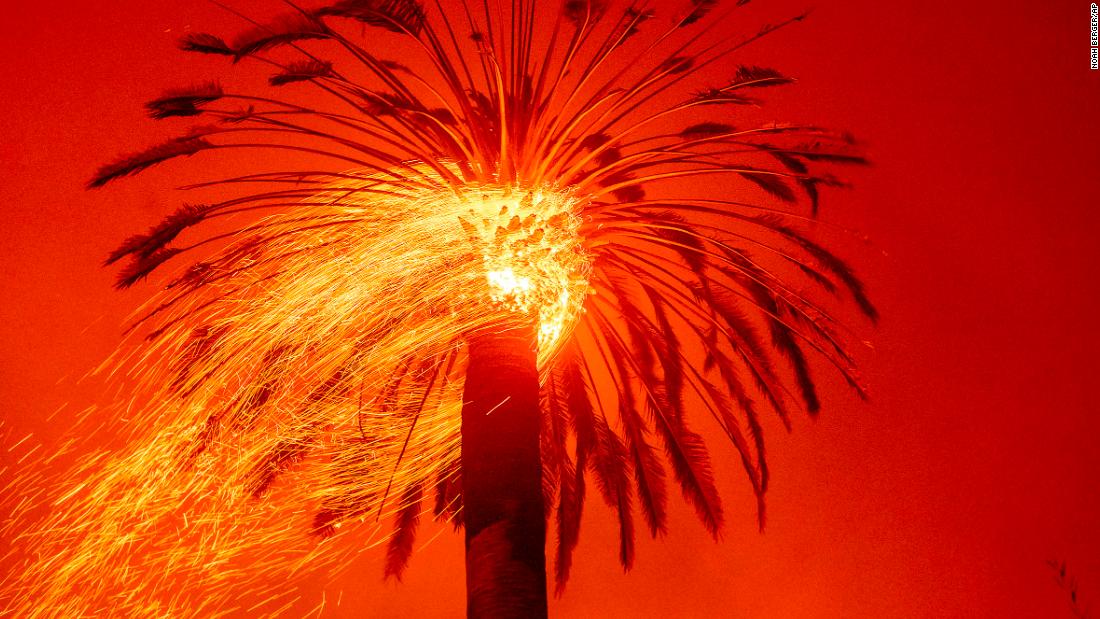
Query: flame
x,y
532,253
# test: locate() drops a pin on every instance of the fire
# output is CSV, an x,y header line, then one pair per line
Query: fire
x,y
315,356
532,253
507,287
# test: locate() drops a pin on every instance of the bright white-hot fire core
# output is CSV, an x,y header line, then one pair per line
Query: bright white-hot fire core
x,y
532,253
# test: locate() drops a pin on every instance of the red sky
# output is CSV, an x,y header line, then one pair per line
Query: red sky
x,y
977,459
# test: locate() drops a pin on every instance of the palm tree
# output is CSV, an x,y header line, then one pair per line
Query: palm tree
x,y
524,251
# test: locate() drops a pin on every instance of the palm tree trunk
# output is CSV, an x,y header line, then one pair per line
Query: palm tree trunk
x,y
502,479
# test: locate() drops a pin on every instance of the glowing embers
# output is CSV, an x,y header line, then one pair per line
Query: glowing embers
x,y
532,253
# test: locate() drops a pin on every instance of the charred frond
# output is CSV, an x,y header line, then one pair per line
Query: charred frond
x,y
302,71
283,30
400,547
204,43
160,235
138,162
699,10
706,129
279,460
401,16
582,12
184,101
677,65
142,265
757,77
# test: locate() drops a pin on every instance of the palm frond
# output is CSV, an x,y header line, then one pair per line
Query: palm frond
x,y
448,493
611,467
184,101
138,162
204,43
401,16
141,266
400,547
301,71
280,459
285,29
757,77
160,235
582,12
699,10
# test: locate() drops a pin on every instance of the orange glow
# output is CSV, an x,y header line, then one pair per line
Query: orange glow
x,y
313,351
974,464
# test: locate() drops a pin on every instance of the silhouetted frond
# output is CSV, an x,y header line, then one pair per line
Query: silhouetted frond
x,y
689,247
756,77
755,468
301,71
809,186
141,266
239,115
717,96
205,44
286,29
184,101
284,455
685,449
400,547
691,466
554,407
745,340
569,510
199,343
246,407
771,183
394,15
324,523
699,10
582,11
649,473
635,17
816,151
746,77
134,163
611,467
677,65
344,498
625,191
160,235
448,493
782,335
839,268
706,129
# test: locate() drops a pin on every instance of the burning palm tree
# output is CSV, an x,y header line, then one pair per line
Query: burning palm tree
x,y
490,275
